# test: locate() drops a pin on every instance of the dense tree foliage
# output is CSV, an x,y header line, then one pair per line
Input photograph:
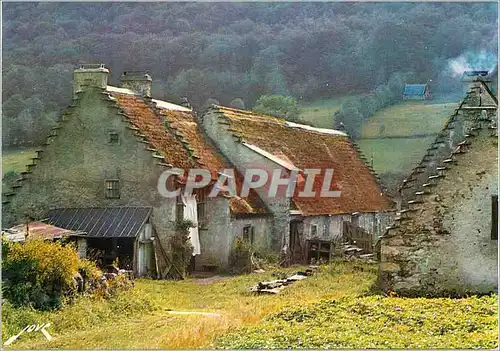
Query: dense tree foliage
x,y
355,111
225,51
278,105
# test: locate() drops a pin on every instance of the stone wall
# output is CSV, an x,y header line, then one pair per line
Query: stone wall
x,y
243,158
441,243
73,167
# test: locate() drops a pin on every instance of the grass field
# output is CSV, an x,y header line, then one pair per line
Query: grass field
x,y
319,113
408,118
15,160
402,121
395,155
140,318
398,154
375,322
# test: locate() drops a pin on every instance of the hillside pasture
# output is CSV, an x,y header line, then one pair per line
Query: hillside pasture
x,y
15,160
320,113
395,155
408,118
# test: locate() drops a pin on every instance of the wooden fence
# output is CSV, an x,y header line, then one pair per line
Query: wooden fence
x,y
358,236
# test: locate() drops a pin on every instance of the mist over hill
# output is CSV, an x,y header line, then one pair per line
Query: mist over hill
x,y
225,51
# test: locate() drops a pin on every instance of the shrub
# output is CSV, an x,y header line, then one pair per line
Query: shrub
x,y
38,273
264,257
91,276
240,257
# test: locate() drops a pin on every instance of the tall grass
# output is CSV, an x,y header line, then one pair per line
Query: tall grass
x,y
140,319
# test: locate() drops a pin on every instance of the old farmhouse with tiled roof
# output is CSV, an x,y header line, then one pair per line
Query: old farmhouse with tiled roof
x,y
444,240
251,140
100,167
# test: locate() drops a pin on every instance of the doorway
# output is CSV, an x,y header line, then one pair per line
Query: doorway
x,y
296,249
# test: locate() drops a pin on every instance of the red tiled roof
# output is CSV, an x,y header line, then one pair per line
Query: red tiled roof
x,y
151,125
182,144
208,158
37,230
360,191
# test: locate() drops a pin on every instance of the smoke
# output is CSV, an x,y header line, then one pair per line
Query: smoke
x,y
469,61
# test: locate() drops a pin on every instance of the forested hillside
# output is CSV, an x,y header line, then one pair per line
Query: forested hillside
x,y
225,51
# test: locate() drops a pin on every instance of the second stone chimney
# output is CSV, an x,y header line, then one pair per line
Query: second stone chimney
x,y
138,81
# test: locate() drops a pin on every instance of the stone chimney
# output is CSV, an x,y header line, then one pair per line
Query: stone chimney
x,y
89,75
138,81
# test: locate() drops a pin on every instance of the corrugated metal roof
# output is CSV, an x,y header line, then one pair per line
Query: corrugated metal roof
x,y
109,222
414,89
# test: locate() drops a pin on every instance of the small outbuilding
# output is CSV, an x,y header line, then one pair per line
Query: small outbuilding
x,y
416,92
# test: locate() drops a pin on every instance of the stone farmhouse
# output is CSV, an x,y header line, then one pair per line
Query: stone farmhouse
x,y
98,174
445,238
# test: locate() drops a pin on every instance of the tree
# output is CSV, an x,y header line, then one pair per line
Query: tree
x,y
237,103
277,105
350,117
227,50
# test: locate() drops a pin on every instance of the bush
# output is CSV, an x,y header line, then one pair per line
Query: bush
x,y
277,105
38,273
181,249
240,257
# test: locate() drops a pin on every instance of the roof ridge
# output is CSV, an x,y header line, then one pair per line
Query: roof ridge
x,y
422,166
268,119
167,104
433,180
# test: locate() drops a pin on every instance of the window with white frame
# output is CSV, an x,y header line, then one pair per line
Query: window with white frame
x,y
112,188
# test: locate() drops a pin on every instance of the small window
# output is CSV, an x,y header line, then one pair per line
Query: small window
x,y
494,217
112,189
201,201
314,230
114,138
248,234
